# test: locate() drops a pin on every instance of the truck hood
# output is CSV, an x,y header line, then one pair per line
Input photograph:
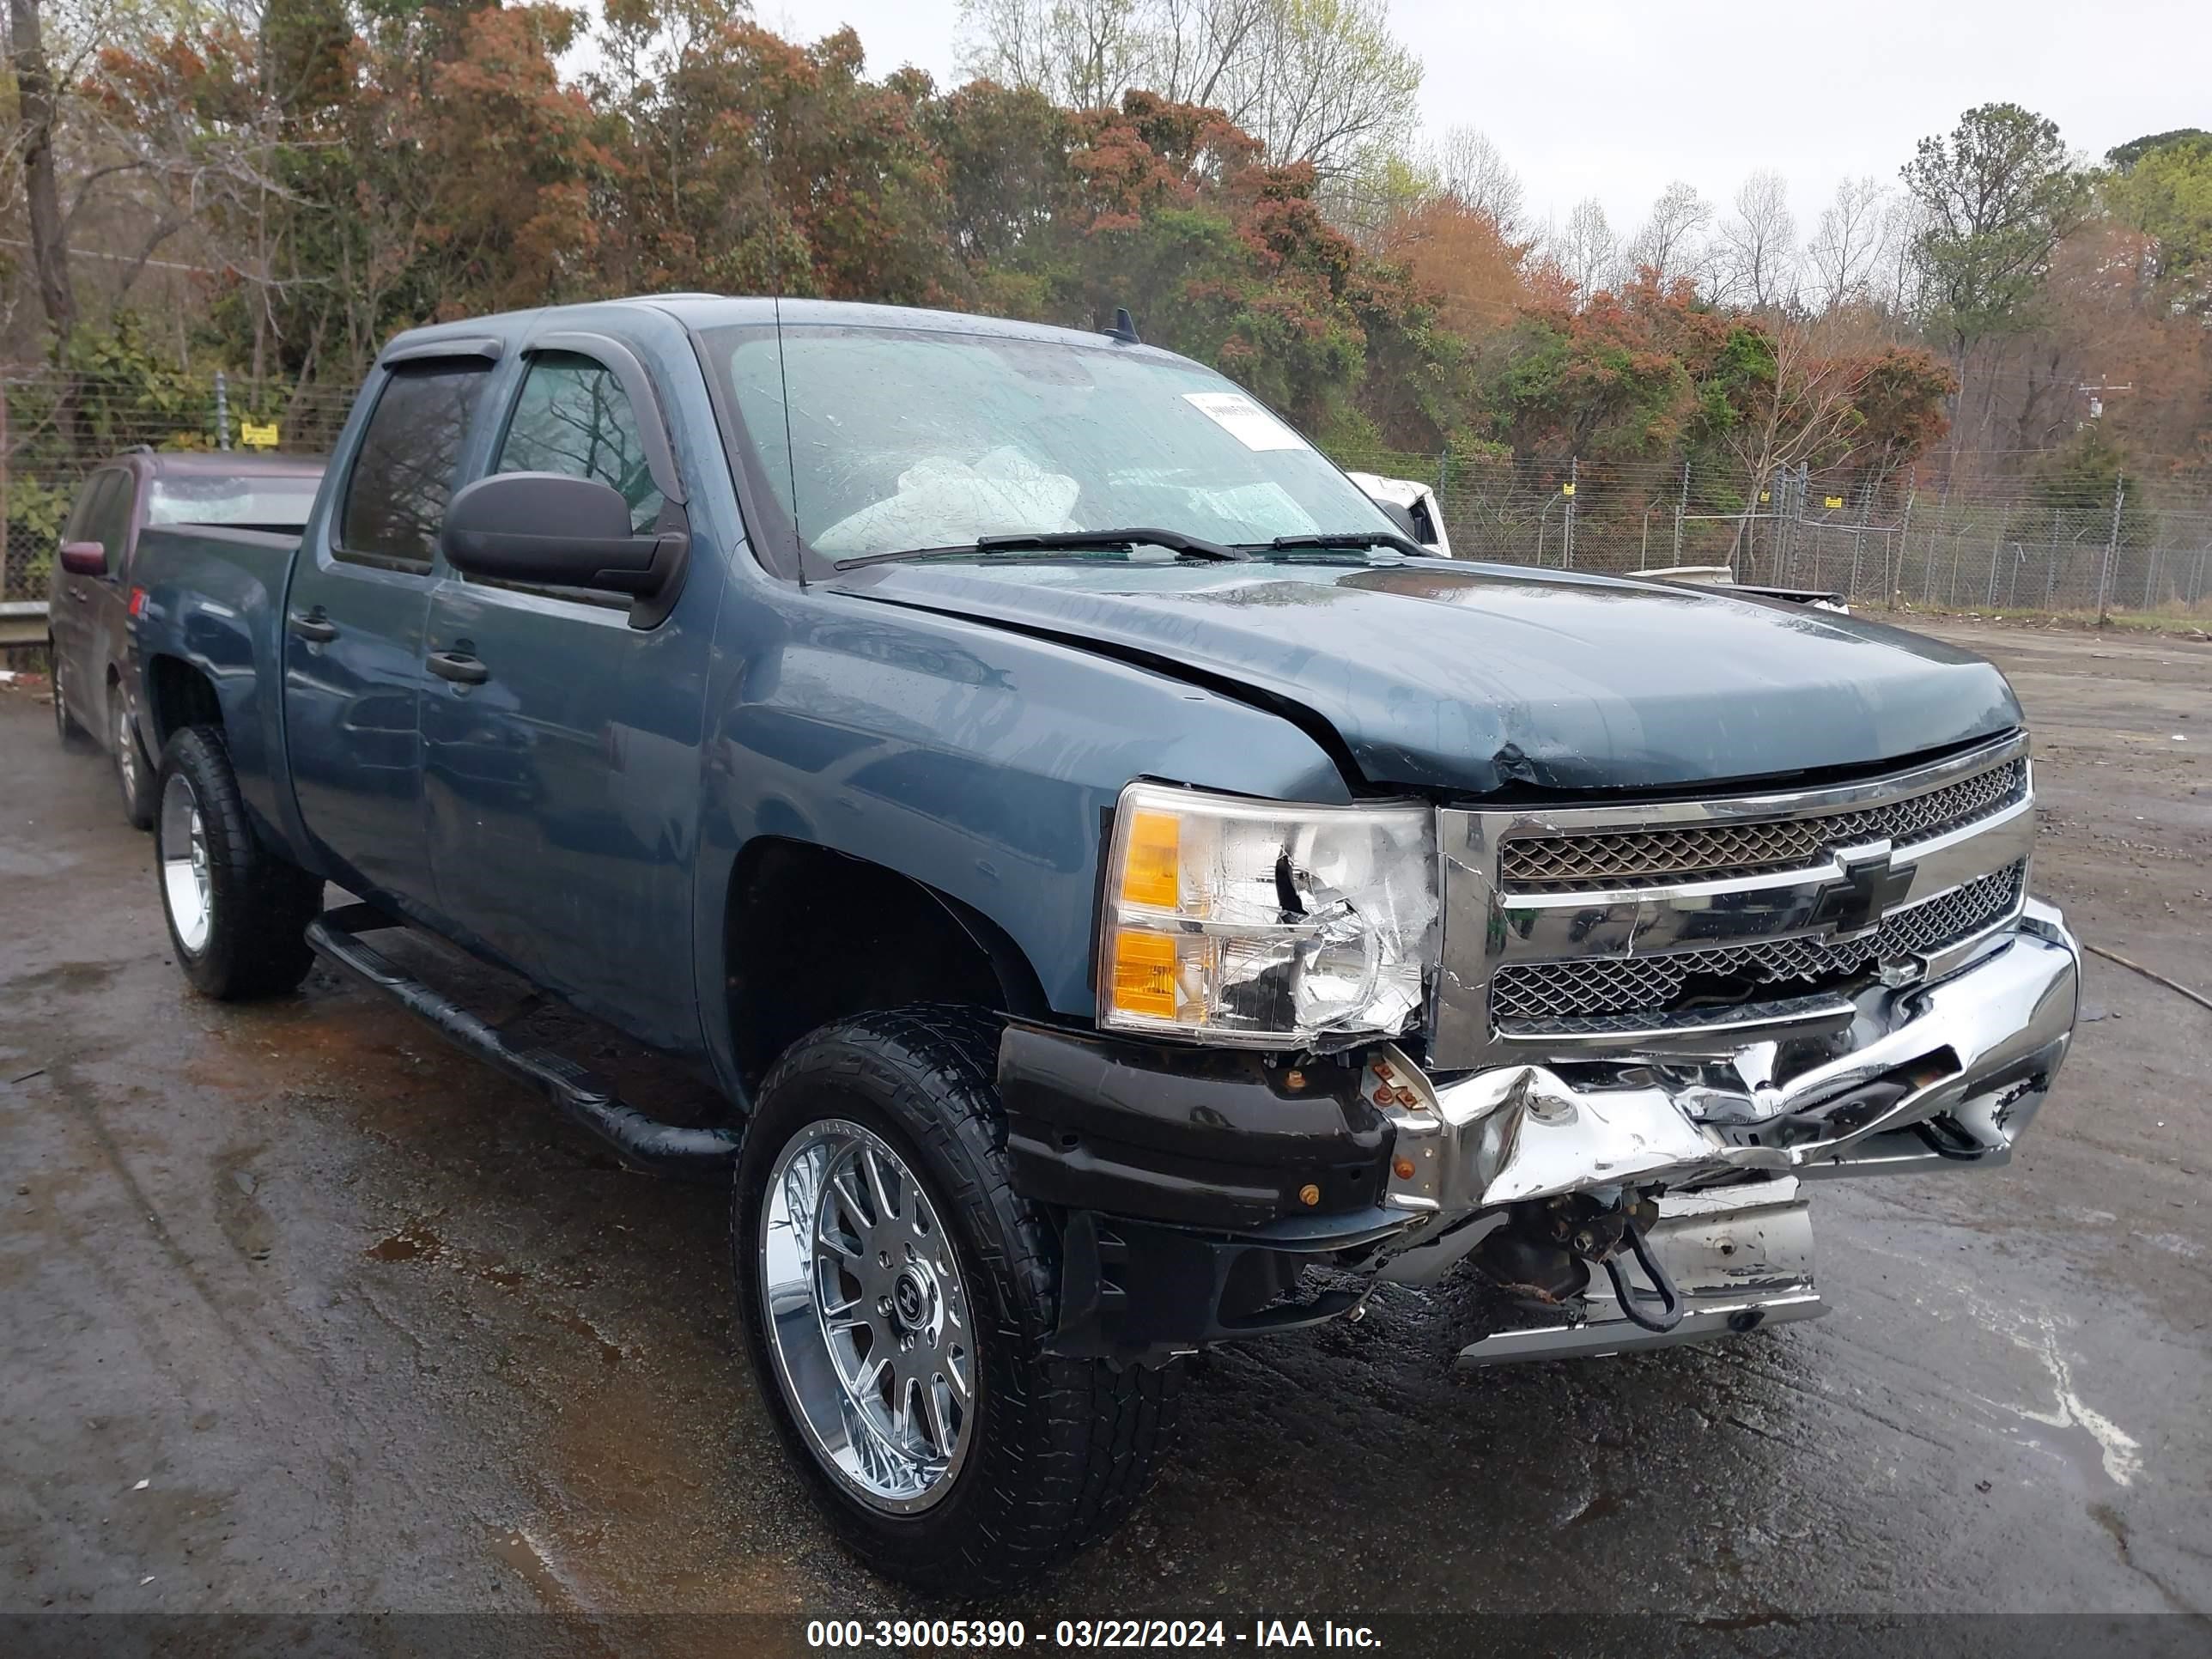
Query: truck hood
x,y
1470,677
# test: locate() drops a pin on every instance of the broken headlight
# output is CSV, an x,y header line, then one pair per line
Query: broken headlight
x,y
1264,924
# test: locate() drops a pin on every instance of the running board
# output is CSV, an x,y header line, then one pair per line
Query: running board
x,y
644,1143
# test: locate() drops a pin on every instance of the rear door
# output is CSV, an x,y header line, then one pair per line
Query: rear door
x,y
106,609
354,633
561,763
102,515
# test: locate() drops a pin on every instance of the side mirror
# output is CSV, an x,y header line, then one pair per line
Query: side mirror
x,y
552,531
84,558
1403,518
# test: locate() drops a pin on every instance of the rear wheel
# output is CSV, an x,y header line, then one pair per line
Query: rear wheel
x,y
237,912
65,726
897,1294
134,774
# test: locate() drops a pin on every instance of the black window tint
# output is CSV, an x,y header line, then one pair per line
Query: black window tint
x,y
401,480
574,418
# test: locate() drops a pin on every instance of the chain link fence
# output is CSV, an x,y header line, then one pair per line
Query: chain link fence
x,y
55,426
1987,545
1901,542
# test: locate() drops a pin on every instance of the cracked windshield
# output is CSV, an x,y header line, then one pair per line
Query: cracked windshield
x,y
910,439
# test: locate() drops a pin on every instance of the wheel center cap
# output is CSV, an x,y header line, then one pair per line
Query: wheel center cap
x,y
911,1297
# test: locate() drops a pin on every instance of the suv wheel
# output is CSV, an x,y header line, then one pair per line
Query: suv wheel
x,y
134,774
238,913
896,1295
65,726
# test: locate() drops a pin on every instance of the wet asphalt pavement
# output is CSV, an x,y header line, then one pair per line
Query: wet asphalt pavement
x,y
302,1312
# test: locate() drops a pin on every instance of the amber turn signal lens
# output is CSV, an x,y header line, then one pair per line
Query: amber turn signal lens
x,y
1152,861
1403,1168
1144,973
1309,1195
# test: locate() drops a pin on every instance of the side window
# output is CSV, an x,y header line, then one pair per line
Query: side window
x,y
402,477
574,418
103,514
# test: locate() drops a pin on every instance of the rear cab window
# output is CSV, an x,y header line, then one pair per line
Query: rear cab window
x,y
403,473
277,503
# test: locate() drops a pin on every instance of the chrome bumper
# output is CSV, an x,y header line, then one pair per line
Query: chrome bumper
x,y
1943,1073
1743,1257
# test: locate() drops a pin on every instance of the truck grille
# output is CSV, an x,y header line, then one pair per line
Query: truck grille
x,y
1571,995
1716,851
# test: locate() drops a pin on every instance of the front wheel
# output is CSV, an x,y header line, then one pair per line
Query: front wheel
x,y
238,913
896,1295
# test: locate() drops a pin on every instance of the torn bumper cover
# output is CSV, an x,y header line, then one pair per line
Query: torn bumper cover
x,y
1947,1072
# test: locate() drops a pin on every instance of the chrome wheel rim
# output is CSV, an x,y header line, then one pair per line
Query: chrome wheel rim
x,y
867,1317
126,753
185,885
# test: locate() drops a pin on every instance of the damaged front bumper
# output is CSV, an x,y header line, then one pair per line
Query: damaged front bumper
x,y
1197,1188
1949,1073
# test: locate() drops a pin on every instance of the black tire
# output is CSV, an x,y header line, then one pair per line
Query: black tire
x,y
258,904
72,735
1064,1448
134,773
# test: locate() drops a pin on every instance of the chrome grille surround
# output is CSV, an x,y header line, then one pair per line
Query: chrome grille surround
x,y
1705,852
1563,996
1575,963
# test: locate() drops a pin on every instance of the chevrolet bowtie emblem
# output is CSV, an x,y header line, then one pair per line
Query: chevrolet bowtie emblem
x,y
1872,883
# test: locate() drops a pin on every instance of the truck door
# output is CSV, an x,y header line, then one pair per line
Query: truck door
x,y
359,598
562,744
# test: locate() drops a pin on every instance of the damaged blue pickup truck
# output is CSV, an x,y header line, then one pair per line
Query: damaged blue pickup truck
x,y
1131,897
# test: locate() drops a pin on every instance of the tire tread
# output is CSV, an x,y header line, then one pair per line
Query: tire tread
x,y
257,946
1087,1436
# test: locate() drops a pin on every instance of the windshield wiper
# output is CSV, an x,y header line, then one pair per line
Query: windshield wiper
x,y
1354,539
1196,547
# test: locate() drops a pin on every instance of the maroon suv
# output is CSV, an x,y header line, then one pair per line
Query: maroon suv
x,y
88,600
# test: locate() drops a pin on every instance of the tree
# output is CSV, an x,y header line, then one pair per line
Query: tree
x,y
1847,250
1671,243
1322,81
1999,191
1588,252
738,162
2166,197
1083,54
39,124
2125,157
1472,170
1758,245
1467,260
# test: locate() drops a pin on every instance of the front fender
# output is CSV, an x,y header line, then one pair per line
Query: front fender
x,y
978,761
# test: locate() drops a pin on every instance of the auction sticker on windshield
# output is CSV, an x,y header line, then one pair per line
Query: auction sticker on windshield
x,y
1243,420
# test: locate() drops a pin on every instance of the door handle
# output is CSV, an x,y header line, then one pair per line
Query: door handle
x,y
313,628
461,670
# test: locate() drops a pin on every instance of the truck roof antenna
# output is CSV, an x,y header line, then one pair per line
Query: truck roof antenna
x,y
1125,327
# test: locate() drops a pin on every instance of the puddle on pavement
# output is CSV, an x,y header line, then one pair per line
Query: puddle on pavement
x,y
413,1242
610,1354
515,1551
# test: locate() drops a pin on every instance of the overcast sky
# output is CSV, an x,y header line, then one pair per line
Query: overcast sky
x,y
1593,97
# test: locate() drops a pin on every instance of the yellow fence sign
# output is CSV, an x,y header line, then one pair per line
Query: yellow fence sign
x,y
257,437
1833,501
1566,489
